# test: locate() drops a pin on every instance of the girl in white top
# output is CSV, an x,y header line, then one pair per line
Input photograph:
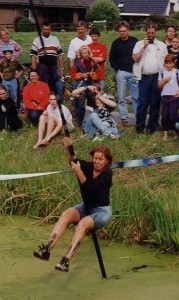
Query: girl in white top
x,y
168,82
50,122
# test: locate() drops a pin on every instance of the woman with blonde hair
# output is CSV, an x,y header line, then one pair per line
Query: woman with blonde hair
x,y
84,73
84,67
6,40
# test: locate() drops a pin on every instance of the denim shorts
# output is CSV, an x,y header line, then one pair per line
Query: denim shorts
x,y
101,214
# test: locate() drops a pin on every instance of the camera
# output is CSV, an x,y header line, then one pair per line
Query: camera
x,y
94,94
149,41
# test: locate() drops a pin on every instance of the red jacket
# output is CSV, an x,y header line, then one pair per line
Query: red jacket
x,y
36,95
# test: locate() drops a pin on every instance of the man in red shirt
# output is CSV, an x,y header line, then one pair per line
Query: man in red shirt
x,y
99,55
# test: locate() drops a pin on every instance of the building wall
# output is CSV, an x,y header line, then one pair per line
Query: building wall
x,y
7,17
176,7
54,15
75,16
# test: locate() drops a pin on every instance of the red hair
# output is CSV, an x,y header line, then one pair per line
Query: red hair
x,y
105,151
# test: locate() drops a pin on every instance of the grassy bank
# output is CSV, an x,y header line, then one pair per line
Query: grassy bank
x,y
144,199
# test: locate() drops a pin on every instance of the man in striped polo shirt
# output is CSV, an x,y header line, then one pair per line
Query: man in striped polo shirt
x,y
47,56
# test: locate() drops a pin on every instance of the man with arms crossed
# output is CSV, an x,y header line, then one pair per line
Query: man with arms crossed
x,y
121,61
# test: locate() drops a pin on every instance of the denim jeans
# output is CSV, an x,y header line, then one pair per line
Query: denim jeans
x,y
94,124
34,116
11,86
101,84
123,79
78,105
100,214
59,89
149,102
51,76
78,110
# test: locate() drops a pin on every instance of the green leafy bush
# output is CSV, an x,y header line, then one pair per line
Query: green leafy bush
x,y
161,21
103,10
23,25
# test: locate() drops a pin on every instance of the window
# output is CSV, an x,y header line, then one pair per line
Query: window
x,y
121,4
172,5
28,14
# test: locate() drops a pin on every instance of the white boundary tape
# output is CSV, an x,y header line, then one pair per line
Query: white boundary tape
x,y
117,165
145,161
21,176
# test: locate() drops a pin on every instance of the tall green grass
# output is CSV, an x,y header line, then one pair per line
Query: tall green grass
x,y
164,210
144,200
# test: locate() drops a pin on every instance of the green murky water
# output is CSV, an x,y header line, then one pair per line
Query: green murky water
x,y
24,277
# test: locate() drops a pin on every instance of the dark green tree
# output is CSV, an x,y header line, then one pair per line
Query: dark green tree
x,y
23,25
103,10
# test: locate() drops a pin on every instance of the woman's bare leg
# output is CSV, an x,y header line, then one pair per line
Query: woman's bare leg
x,y
69,216
41,130
84,224
165,135
53,127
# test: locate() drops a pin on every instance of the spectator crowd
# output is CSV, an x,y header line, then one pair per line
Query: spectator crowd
x,y
146,69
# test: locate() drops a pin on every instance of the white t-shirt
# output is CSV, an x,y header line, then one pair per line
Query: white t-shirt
x,y
152,59
56,112
75,45
150,62
170,88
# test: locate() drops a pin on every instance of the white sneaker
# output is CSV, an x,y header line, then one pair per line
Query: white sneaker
x,y
114,136
98,137
101,138
85,136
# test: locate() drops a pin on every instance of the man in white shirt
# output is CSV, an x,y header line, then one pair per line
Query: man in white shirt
x,y
148,55
82,39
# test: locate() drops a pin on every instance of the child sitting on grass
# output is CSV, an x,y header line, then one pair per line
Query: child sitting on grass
x,y
168,82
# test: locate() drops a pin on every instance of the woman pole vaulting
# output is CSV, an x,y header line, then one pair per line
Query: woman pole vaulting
x,y
95,181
